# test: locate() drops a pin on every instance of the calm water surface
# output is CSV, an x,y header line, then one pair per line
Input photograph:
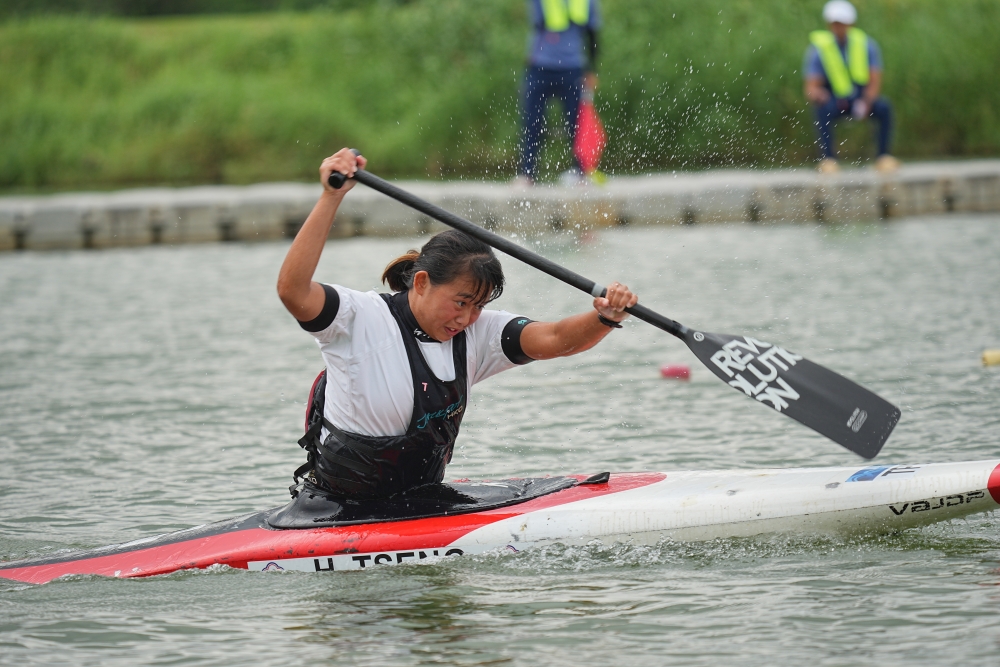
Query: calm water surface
x,y
151,389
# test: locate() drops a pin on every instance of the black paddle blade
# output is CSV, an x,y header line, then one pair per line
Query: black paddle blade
x,y
826,402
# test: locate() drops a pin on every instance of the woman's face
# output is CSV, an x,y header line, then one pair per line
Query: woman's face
x,y
443,311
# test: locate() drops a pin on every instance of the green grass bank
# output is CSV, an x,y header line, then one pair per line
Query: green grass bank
x,y
430,89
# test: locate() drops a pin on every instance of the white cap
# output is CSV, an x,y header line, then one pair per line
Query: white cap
x,y
840,11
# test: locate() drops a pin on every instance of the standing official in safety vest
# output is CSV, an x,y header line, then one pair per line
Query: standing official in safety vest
x,y
843,76
562,52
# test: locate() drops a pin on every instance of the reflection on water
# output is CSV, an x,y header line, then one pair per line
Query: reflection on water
x,y
403,610
145,390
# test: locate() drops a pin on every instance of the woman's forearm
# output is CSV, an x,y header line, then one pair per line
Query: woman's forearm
x,y
545,340
304,299
548,340
580,332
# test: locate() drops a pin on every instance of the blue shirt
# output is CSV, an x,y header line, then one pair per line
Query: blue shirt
x,y
559,50
813,66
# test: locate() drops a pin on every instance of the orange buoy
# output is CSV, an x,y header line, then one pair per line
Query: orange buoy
x,y
676,371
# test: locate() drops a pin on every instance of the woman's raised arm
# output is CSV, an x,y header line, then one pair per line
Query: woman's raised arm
x,y
303,297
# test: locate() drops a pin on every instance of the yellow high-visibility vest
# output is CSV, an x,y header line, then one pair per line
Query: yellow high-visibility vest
x,y
843,76
559,13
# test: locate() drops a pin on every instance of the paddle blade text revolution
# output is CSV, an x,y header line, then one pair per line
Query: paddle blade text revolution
x,y
826,402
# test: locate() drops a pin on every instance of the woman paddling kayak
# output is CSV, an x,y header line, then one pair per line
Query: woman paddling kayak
x,y
399,366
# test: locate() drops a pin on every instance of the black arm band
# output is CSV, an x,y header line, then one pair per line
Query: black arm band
x,y
510,340
327,315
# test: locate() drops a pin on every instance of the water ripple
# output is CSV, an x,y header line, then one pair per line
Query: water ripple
x,y
151,389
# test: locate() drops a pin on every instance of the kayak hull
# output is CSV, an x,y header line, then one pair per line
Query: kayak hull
x,y
641,508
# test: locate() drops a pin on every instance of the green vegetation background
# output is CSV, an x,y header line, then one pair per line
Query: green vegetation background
x,y
429,88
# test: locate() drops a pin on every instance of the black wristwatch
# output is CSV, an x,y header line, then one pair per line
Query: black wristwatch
x,y
608,323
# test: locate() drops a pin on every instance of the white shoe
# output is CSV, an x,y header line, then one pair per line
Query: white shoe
x,y
521,182
571,178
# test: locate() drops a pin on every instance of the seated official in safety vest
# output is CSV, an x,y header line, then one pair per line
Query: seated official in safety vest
x,y
843,77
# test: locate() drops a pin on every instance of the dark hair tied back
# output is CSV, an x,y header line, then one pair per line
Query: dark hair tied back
x,y
398,275
446,257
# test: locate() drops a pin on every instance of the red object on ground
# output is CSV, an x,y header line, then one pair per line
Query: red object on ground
x,y
676,371
590,137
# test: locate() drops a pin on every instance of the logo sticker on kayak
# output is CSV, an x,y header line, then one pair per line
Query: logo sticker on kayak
x,y
354,561
754,367
868,474
937,503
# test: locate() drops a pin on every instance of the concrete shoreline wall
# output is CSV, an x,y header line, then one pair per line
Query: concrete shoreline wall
x,y
276,210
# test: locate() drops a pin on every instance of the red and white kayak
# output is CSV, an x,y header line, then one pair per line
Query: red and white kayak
x,y
512,515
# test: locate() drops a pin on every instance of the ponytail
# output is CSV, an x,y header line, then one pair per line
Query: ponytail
x,y
398,275
448,256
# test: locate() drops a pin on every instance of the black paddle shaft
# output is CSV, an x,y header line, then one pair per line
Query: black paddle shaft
x,y
509,247
826,402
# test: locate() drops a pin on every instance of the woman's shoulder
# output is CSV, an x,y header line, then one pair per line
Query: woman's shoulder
x,y
490,324
360,315
356,305
489,318
362,299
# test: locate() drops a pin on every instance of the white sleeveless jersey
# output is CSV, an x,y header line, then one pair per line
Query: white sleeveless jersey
x,y
369,388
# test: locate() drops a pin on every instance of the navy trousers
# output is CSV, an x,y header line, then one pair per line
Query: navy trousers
x,y
541,85
826,114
